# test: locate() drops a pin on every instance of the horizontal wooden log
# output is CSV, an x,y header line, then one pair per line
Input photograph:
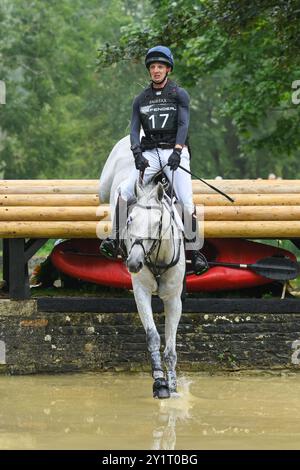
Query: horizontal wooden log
x,y
43,229
92,186
45,182
102,212
251,229
89,182
283,213
87,229
248,186
93,200
35,213
51,188
49,200
248,200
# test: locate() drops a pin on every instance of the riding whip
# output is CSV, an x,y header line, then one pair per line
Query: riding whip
x,y
205,182
202,180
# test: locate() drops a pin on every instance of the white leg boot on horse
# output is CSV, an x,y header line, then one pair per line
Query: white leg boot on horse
x,y
160,385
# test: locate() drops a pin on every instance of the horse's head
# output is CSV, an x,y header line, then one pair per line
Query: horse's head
x,y
144,225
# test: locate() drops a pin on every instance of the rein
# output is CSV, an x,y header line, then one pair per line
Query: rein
x,y
157,268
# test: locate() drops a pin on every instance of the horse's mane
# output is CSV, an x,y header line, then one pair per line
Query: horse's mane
x,y
147,189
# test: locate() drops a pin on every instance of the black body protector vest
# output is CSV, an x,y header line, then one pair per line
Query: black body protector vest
x,y
159,116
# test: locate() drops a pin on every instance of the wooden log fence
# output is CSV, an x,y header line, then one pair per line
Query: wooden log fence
x,y
32,211
102,212
71,208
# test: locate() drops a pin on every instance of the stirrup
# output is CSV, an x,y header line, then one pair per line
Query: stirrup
x,y
200,264
109,248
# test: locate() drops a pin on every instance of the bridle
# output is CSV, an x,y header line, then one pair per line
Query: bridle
x,y
158,268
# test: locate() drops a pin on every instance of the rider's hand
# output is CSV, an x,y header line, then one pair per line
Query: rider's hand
x,y
141,162
174,159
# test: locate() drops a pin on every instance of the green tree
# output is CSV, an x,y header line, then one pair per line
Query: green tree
x,y
62,117
238,60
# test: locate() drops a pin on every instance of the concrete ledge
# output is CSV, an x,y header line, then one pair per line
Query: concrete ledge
x,y
17,307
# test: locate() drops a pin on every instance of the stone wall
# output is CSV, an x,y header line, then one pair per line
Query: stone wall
x,y
36,342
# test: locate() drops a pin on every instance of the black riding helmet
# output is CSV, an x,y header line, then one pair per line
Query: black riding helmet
x,y
159,54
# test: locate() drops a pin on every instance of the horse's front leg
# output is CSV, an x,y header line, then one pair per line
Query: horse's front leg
x,y
173,309
143,296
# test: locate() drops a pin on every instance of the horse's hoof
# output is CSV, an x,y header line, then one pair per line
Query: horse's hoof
x,y
161,389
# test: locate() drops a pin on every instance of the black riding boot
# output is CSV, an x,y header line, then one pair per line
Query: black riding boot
x,y
110,246
199,262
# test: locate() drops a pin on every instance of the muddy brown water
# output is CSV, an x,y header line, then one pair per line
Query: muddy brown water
x,y
117,411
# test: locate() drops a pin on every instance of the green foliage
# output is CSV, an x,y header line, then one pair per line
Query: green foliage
x,y
73,67
62,118
238,60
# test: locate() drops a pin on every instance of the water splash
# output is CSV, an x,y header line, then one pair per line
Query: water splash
x,y
177,408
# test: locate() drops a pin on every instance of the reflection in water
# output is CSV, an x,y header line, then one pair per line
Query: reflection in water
x,y
177,408
111,411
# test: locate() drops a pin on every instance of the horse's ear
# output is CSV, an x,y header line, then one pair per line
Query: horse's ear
x,y
138,191
160,191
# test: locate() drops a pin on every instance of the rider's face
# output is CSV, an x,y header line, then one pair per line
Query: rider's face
x,y
158,71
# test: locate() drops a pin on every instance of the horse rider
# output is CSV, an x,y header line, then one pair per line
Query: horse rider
x,y
162,110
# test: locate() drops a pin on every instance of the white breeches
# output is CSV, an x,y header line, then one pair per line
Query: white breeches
x,y
182,181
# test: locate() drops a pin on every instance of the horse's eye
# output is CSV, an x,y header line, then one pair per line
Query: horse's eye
x,y
129,220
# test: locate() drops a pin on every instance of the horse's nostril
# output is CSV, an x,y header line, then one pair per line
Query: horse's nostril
x,y
134,268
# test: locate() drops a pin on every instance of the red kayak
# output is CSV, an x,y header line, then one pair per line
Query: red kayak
x,y
80,258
